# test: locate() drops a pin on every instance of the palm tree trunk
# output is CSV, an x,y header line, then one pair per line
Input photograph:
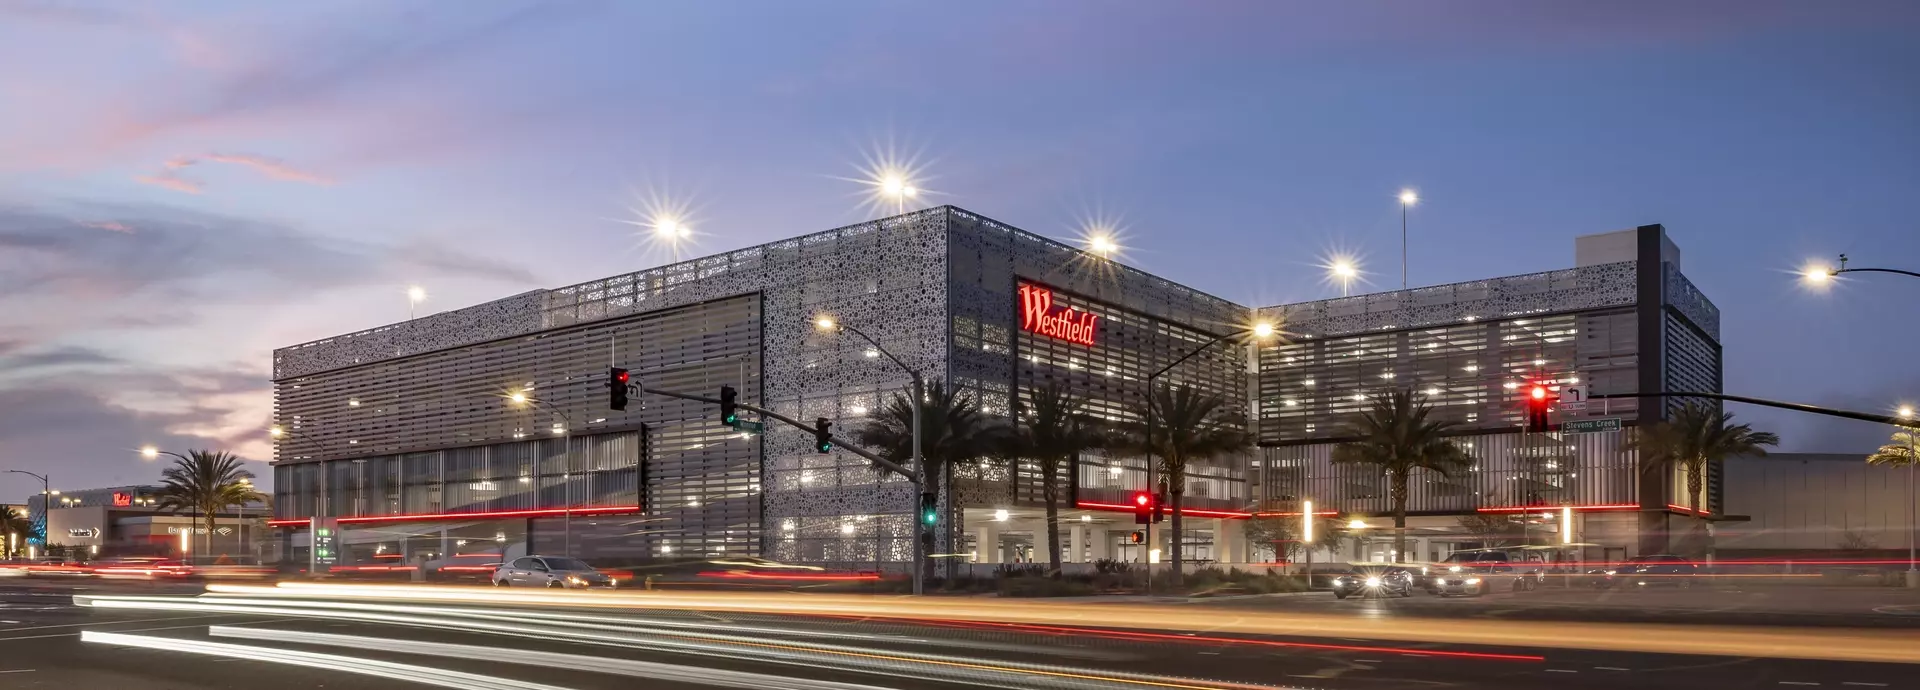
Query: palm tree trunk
x,y
1176,486
1696,490
1399,490
1049,490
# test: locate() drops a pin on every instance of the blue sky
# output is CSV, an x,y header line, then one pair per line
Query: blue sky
x,y
184,186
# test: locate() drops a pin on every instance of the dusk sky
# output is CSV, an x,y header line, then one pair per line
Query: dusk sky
x,y
185,186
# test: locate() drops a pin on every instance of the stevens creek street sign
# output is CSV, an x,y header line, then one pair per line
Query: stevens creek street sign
x,y
1588,426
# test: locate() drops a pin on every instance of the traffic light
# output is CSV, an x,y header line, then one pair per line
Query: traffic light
x,y
729,407
617,388
1537,406
929,509
1160,506
1137,538
1142,508
822,436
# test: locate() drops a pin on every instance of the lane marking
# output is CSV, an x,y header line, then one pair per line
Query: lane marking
x,y
1795,682
17,670
1560,670
1610,668
1866,685
1370,661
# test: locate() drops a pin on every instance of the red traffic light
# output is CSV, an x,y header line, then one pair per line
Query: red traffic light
x,y
1539,392
1142,499
622,376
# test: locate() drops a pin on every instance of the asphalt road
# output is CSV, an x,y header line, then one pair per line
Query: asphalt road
x,y
172,639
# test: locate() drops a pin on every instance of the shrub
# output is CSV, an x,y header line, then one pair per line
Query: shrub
x,y
1109,566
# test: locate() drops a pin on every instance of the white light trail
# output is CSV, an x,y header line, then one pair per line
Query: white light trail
x,y
426,675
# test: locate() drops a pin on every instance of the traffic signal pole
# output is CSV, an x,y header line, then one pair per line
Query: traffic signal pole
x,y
919,483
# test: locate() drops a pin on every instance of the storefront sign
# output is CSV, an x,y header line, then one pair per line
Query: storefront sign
x,y
122,500
83,532
1038,315
176,529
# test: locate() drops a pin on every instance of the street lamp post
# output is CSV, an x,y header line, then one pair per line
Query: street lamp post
x,y
1822,274
1407,198
919,393
1913,569
46,498
1258,330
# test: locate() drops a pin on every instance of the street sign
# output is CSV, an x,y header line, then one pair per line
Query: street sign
x,y
1589,426
1573,397
750,427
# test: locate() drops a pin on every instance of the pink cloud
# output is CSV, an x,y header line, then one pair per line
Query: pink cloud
x,y
271,168
170,181
170,178
109,225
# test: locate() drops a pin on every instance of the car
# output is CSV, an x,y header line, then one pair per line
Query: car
x,y
1373,581
1646,571
1479,571
557,572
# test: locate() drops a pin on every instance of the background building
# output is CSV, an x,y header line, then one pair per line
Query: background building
x,y
485,432
1623,320
125,521
1814,501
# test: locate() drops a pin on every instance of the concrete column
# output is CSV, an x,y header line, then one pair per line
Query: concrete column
x,y
986,539
1229,541
1421,551
1100,540
1076,544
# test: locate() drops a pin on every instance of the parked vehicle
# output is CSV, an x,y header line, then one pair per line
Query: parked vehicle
x,y
558,572
1374,581
1646,571
1475,572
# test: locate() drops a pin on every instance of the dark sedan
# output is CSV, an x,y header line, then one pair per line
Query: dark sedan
x,y
1377,582
1650,571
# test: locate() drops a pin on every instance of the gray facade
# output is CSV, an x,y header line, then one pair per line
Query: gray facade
x,y
411,437
1814,501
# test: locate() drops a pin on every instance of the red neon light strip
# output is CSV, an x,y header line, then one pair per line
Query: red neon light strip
x,y
1297,513
591,510
1185,511
743,575
1552,509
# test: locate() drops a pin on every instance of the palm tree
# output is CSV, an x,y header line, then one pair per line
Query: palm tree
x,y
1188,426
205,482
1696,436
1397,437
1899,450
952,430
1050,428
12,523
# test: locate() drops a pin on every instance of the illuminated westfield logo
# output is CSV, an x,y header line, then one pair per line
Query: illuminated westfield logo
x,y
1038,315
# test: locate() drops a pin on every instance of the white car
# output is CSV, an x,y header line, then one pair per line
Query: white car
x,y
558,572
1479,571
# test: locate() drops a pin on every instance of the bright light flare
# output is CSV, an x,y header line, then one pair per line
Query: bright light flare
x,y
1263,330
518,397
1356,524
1816,274
416,294
1408,197
276,432
665,223
825,323
1905,412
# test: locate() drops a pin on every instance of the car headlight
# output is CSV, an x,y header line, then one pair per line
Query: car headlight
x,y
1373,582
575,579
1610,572
1454,569
1473,580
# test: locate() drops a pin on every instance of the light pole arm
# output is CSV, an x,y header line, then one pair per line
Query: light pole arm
x,y
881,350
1190,354
1875,270
789,421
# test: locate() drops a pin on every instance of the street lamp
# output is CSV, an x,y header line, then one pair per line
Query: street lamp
x,y
1821,275
415,295
1407,199
1343,270
827,324
1103,245
1259,330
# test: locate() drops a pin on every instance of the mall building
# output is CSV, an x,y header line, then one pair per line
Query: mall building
x,y
486,431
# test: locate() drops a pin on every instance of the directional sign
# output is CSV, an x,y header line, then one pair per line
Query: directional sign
x,y
750,427
1589,426
1573,397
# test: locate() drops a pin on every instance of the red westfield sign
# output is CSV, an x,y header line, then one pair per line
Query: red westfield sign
x,y
122,500
1038,315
